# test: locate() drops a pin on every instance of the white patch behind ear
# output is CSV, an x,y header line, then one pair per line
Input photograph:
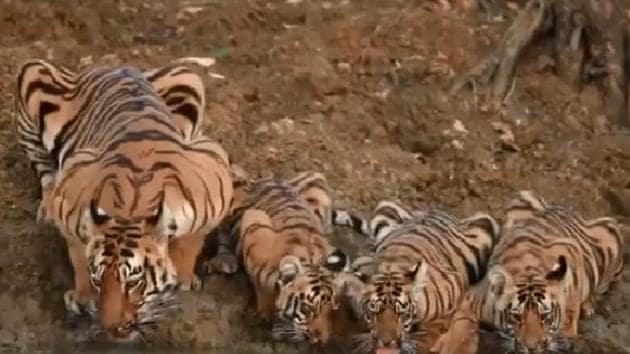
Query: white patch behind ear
x,y
177,213
500,286
100,212
289,268
86,224
420,279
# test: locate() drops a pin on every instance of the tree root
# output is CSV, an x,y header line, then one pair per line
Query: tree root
x,y
497,71
584,31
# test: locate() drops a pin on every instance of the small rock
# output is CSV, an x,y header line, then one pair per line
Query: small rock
x,y
252,96
425,145
379,132
85,61
283,126
111,59
458,126
473,187
201,61
188,12
457,145
344,67
600,123
506,137
262,129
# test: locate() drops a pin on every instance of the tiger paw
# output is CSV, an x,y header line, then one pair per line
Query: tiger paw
x,y
193,284
588,310
222,263
461,338
79,304
42,213
47,188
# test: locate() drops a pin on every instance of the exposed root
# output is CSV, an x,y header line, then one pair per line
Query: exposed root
x,y
590,40
497,71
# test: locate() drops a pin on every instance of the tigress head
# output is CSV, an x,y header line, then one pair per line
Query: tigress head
x,y
531,304
128,223
131,271
307,296
387,302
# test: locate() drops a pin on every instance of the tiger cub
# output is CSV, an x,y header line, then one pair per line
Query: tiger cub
x,y
423,263
127,178
548,269
279,229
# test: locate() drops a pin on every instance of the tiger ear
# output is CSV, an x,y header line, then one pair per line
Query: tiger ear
x,y
290,267
483,223
176,213
387,216
523,206
559,270
41,87
183,92
500,281
605,228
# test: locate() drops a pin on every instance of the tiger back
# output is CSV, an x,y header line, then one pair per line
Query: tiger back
x,y
279,229
548,270
312,189
127,178
423,263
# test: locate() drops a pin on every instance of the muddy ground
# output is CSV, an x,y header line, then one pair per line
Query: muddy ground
x,y
352,88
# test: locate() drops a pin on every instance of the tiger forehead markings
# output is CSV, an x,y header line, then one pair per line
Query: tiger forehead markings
x,y
128,178
423,263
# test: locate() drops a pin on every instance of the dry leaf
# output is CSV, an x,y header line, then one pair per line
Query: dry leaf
x,y
506,137
201,61
459,127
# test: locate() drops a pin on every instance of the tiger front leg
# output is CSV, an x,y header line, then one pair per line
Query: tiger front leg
x,y
461,337
265,303
47,186
81,299
588,308
571,317
184,251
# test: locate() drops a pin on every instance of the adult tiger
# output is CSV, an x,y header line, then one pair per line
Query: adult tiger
x,y
279,228
128,179
549,267
423,263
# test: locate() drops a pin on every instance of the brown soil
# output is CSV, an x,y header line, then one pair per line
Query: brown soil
x,y
352,88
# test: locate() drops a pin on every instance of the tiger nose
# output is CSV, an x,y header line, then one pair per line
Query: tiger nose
x,y
388,343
